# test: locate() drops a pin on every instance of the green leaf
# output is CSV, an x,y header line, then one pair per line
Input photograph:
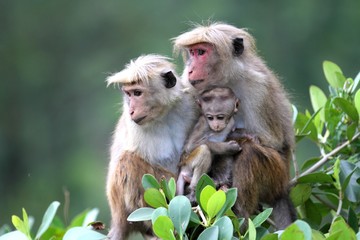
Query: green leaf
x,y
295,113
252,230
340,230
194,218
316,177
83,233
262,217
347,107
215,203
356,83
312,212
351,130
161,211
149,181
271,236
231,196
154,198
47,218
141,214
226,228
353,220
300,194
210,233
336,174
19,224
318,100
14,235
204,181
90,217
205,195
172,187
306,126
349,173
179,213
165,187
357,99
293,232
308,163
164,228
330,71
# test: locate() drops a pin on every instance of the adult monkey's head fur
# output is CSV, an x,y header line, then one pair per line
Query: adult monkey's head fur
x,y
149,75
235,48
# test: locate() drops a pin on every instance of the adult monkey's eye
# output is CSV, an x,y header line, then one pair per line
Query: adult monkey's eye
x,y
201,52
137,93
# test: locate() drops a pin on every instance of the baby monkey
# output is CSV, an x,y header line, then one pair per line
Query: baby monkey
x,y
205,150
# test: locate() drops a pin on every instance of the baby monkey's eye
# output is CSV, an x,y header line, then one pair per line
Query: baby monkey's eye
x,y
210,118
220,117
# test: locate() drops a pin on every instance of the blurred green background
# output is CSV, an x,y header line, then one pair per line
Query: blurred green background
x,y
57,115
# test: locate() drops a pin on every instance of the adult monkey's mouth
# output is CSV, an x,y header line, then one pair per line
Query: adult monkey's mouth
x,y
195,82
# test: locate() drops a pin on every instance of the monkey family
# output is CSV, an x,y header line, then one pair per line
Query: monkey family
x,y
243,138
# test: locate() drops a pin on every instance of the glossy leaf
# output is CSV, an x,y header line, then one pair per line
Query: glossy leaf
x,y
164,228
47,218
316,177
205,195
83,233
90,217
141,214
252,230
149,181
210,233
215,203
172,187
330,70
154,198
318,100
226,228
300,194
271,236
262,217
14,235
204,181
348,108
349,173
356,83
161,211
357,100
305,126
19,224
231,195
179,213
293,232
165,187
340,230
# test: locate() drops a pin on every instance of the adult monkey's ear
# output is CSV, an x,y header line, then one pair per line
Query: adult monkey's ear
x,y
169,79
238,44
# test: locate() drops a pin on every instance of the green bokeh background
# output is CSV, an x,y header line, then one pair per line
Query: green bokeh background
x,y
57,115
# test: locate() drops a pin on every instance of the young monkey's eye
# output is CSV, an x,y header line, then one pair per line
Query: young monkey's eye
x,y
210,118
220,117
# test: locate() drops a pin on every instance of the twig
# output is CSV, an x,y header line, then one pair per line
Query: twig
x,y
324,159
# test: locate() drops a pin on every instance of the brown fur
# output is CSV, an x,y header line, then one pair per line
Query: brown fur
x,y
223,55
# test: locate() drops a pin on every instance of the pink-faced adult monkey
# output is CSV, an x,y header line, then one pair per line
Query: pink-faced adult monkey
x,y
221,54
206,149
148,138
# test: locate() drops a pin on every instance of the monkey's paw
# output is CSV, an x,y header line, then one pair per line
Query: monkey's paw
x,y
233,146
